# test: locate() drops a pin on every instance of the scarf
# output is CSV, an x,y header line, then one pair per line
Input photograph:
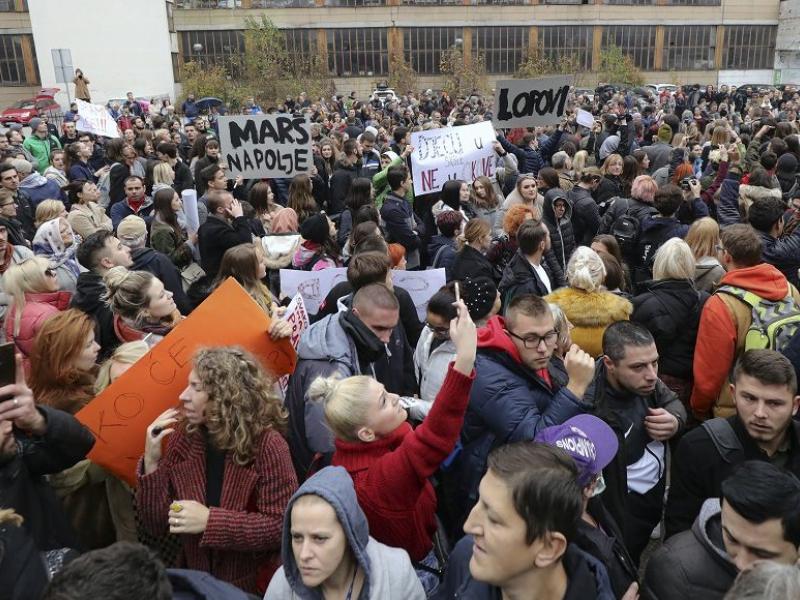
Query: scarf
x,y
369,347
136,204
48,243
6,262
14,229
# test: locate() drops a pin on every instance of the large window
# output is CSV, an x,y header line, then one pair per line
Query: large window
x,y
423,46
223,47
12,63
749,47
694,2
567,40
358,52
301,43
638,41
689,47
503,47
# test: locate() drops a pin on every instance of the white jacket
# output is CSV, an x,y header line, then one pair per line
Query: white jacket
x,y
431,367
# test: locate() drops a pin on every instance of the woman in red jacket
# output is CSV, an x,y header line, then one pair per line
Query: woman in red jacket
x,y
226,477
390,462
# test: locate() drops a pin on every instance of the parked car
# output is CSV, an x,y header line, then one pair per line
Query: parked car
x,y
23,111
660,87
384,94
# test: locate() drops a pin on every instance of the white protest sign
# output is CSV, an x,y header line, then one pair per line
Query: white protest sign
x,y
529,102
189,199
313,286
94,119
439,155
420,285
297,316
585,118
257,146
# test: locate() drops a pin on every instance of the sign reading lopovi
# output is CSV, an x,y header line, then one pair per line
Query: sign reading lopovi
x,y
257,146
529,102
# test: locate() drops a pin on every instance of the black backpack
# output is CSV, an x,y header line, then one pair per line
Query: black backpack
x,y
626,230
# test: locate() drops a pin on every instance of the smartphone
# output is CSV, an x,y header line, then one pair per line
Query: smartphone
x,y
8,365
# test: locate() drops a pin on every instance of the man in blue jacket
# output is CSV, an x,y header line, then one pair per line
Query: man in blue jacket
x,y
520,533
519,389
530,155
782,252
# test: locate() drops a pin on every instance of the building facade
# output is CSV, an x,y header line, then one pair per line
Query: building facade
x,y
686,41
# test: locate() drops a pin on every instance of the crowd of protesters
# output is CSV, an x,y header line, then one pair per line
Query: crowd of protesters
x,y
600,403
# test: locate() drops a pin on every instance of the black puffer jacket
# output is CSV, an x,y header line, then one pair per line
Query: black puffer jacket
x,y
585,215
562,235
671,309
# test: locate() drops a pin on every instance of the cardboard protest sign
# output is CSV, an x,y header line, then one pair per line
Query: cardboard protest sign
x,y
256,146
420,285
447,153
313,286
585,118
119,416
297,316
94,119
529,102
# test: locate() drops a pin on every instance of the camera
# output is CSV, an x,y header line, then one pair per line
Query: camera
x,y
687,183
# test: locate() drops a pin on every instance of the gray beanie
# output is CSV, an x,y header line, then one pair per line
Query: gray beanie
x,y
34,123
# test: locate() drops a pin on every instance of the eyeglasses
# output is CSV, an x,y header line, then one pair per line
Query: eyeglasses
x,y
439,331
532,341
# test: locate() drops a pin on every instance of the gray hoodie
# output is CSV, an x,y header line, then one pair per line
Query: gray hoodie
x,y
388,571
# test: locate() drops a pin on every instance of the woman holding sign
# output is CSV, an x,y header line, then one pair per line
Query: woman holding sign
x,y
224,480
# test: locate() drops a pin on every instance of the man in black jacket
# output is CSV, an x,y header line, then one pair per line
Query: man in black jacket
x,y
783,252
9,180
764,390
168,152
525,273
132,233
585,212
36,441
346,169
645,414
402,224
99,252
225,228
758,518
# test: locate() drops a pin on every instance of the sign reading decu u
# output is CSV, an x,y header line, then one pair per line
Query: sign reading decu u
x,y
530,102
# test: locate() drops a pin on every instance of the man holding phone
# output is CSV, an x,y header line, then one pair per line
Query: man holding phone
x,y
35,441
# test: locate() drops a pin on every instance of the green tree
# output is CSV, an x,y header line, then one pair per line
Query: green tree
x,y
461,79
402,76
618,67
206,80
537,65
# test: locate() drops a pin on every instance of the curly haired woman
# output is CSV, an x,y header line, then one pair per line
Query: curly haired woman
x,y
225,478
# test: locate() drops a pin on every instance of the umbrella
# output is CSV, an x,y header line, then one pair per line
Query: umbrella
x,y
207,103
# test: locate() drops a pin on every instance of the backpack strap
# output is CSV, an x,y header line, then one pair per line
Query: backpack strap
x,y
725,440
438,255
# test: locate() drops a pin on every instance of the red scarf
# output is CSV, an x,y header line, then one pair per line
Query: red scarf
x,y
136,203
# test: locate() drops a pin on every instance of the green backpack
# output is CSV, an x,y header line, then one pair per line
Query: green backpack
x,y
773,323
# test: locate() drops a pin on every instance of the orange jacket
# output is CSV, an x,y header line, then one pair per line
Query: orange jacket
x,y
720,337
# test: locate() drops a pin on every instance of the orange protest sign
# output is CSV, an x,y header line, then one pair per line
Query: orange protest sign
x,y
120,415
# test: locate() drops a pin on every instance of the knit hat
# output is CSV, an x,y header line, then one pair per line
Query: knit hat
x,y
131,228
315,229
665,133
390,154
34,123
372,130
787,163
479,295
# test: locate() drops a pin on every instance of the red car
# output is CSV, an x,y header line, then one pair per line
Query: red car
x,y
24,110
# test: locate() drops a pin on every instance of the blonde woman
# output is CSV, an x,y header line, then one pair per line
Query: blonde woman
x,y
586,303
225,477
143,308
703,239
86,216
163,177
390,462
47,210
611,183
33,287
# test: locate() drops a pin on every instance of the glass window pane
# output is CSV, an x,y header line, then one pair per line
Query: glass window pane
x,y
689,47
637,41
357,52
749,47
567,40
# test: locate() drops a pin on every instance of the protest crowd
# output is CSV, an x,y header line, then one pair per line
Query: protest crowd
x,y
597,400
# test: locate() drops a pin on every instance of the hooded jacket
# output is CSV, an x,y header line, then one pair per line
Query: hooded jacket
x,y
471,263
562,236
160,265
509,402
442,254
720,336
326,348
590,313
783,253
530,160
692,564
388,574
431,366
707,273
39,307
40,188
586,577
671,309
